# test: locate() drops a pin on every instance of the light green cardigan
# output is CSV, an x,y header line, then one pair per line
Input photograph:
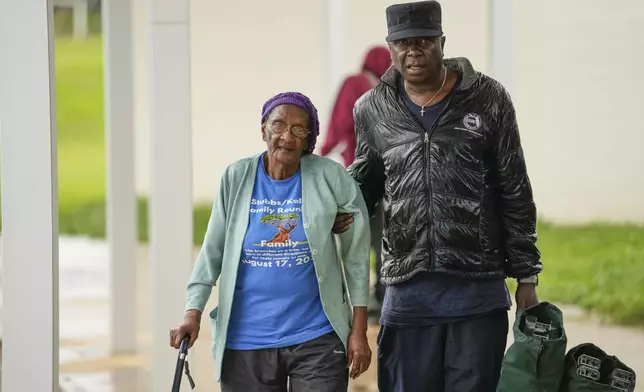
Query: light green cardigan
x,y
327,189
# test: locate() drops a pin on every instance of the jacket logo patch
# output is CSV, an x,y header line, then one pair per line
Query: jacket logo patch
x,y
472,121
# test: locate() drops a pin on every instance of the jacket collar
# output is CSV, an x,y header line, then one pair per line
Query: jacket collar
x,y
458,64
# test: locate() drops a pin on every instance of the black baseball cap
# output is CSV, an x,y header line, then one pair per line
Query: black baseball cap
x,y
419,19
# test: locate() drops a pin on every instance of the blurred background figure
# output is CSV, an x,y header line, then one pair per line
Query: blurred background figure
x,y
340,132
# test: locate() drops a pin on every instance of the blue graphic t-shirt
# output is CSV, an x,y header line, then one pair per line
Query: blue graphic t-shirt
x,y
277,301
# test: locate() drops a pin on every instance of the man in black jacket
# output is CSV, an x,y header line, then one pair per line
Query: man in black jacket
x,y
438,145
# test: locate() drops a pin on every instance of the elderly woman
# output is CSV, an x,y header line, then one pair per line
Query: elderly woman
x,y
283,313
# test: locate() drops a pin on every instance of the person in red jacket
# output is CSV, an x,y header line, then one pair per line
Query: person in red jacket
x,y
341,131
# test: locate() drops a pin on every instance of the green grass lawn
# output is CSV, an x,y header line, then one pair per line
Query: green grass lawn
x,y
600,267
81,142
81,137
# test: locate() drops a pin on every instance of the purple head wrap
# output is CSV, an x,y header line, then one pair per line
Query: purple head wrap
x,y
301,101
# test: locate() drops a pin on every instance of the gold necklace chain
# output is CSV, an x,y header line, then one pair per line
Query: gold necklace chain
x,y
422,107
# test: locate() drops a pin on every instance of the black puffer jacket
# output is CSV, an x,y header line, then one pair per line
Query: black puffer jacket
x,y
457,199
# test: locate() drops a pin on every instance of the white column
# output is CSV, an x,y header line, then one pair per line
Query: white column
x,y
502,58
121,194
29,197
81,24
336,11
171,177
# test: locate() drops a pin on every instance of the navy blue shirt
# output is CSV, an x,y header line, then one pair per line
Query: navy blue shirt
x,y
430,298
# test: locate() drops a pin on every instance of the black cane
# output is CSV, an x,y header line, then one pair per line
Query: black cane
x,y
182,362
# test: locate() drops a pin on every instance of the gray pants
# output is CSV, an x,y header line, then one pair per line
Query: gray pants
x,y
319,365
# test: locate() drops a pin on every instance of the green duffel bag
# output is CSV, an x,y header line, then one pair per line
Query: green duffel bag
x,y
589,369
534,362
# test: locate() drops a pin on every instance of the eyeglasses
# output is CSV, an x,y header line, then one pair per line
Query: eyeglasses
x,y
298,131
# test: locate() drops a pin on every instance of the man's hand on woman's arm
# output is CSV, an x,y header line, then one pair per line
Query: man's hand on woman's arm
x,y
342,222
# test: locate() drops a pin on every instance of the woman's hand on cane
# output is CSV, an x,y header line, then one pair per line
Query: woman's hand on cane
x,y
190,326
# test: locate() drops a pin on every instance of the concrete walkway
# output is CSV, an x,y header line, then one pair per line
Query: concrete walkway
x,y
86,366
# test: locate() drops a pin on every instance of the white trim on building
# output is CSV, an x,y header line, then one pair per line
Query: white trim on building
x,y
502,42
29,197
121,215
171,176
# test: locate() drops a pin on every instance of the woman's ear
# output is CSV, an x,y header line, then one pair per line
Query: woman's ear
x,y
264,131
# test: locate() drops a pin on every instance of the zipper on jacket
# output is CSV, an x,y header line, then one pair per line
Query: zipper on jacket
x,y
428,160
426,138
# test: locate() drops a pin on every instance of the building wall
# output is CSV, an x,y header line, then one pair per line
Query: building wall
x,y
244,52
576,94
579,92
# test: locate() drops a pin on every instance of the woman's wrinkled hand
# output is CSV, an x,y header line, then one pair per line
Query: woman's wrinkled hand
x,y
359,353
189,326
